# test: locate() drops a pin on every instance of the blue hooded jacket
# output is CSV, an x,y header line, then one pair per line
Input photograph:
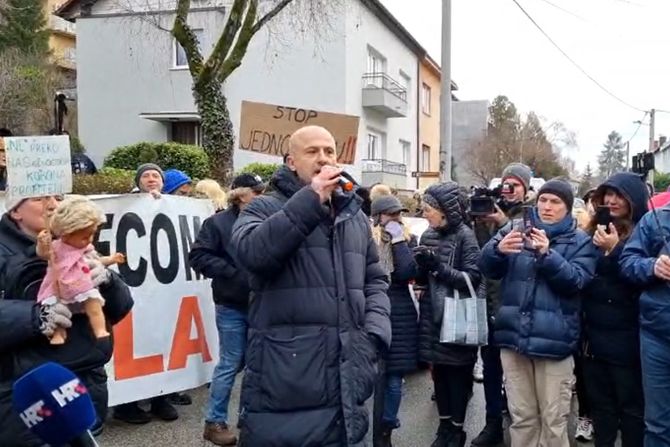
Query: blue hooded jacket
x,y
540,295
650,239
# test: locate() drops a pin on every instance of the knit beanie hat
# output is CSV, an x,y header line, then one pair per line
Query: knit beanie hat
x,y
559,188
174,179
147,167
520,172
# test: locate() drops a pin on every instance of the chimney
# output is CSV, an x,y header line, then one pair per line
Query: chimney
x,y
661,141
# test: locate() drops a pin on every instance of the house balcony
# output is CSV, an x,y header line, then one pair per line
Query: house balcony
x,y
384,171
62,26
384,95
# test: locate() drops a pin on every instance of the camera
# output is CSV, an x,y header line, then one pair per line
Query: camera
x,y
483,200
643,163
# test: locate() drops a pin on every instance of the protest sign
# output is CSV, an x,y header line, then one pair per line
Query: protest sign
x,y
266,128
169,342
38,166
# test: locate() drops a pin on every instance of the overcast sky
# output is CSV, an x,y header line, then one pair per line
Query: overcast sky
x,y
623,44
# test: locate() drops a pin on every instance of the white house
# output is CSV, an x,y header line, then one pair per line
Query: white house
x,y
133,84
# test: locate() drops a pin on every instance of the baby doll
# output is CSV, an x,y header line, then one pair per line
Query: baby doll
x,y
68,279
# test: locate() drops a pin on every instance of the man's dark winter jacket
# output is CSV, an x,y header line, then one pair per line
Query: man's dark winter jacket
x,y
23,347
539,312
458,251
211,256
319,299
611,303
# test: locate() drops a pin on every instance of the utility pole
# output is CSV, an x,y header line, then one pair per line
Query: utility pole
x,y
627,155
445,95
652,127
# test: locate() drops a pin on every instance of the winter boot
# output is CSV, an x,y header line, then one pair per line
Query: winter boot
x,y
491,435
458,438
444,434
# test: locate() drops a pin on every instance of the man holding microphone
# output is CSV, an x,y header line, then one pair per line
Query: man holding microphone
x,y
319,312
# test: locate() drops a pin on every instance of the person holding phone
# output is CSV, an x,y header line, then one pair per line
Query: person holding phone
x,y
611,349
538,324
510,207
645,262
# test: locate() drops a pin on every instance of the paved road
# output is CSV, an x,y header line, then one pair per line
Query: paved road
x,y
418,416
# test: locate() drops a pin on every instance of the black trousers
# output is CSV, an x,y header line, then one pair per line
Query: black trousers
x,y
453,388
617,402
582,394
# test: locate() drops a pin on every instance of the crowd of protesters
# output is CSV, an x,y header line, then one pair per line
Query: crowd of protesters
x,y
324,298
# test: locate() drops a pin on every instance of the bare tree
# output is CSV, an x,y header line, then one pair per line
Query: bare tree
x,y
245,19
28,84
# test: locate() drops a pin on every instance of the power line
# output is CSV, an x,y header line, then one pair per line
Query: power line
x,y
639,125
567,56
560,8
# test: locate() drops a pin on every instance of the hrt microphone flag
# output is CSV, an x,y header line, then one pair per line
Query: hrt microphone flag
x,y
54,404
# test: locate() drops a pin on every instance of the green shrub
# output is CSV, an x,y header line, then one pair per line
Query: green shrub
x,y
190,159
104,183
264,170
75,145
661,181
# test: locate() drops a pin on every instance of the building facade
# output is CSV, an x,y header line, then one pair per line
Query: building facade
x,y
133,84
62,37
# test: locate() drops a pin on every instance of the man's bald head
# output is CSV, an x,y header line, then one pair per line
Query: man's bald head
x,y
309,149
305,135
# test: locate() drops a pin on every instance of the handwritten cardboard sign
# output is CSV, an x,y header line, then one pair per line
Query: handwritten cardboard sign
x,y
38,166
266,128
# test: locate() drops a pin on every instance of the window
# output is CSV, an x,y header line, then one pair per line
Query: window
x,y
185,132
406,149
376,62
374,146
180,60
405,82
425,99
425,158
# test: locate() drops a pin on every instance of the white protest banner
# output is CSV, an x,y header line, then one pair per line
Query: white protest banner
x,y
169,342
38,166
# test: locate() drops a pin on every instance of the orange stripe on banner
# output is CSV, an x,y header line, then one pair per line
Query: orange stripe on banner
x,y
182,344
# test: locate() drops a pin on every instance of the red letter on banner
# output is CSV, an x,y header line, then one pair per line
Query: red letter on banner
x,y
126,366
182,345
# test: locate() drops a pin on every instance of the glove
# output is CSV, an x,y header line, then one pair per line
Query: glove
x,y
426,258
396,231
53,316
99,273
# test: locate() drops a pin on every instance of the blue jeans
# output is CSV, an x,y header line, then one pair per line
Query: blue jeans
x,y
392,397
232,327
655,354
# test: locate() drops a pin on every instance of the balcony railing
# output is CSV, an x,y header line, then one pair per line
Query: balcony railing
x,y
384,81
385,166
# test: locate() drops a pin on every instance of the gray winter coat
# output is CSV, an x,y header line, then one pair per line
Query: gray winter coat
x,y
318,307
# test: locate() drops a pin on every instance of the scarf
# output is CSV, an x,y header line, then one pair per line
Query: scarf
x,y
554,229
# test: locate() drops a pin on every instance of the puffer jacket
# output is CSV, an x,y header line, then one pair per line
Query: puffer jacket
x,y
402,357
650,239
539,312
485,232
318,307
23,347
458,251
611,303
